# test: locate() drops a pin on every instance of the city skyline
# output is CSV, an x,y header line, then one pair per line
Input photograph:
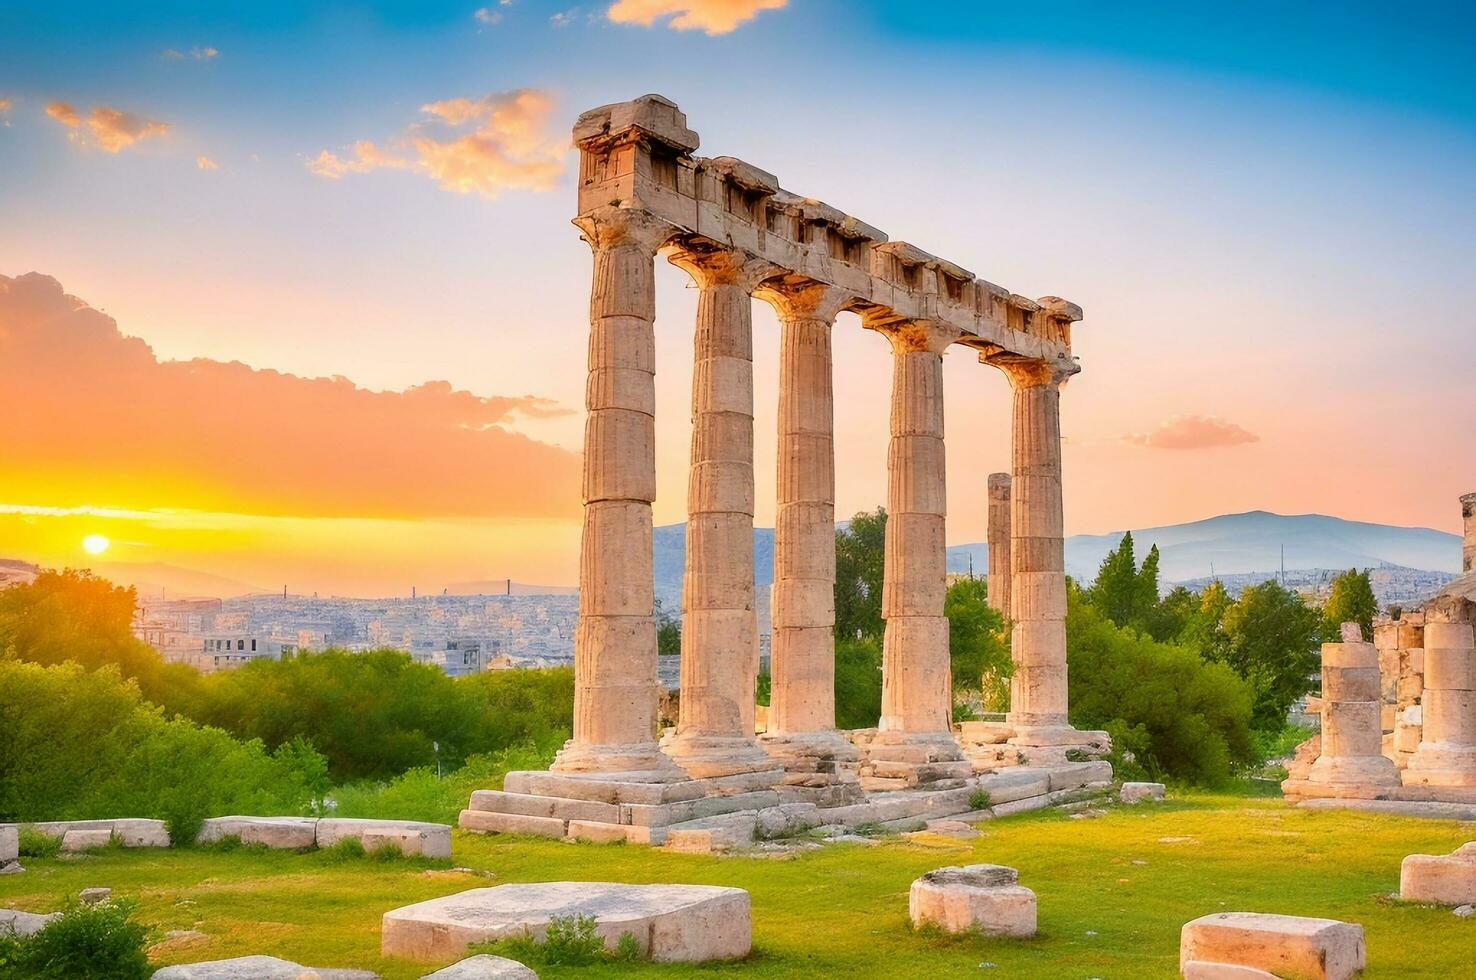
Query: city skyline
x,y
360,308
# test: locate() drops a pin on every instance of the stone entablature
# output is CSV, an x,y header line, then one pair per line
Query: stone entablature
x,y
639,156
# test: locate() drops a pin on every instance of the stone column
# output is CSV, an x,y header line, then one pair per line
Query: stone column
x,y
615,641
998,538
802,731
1037,553
1447,752
1352,737
715,735
915,731
1468,518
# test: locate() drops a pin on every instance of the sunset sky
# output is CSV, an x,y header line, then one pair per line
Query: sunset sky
x,y
289,292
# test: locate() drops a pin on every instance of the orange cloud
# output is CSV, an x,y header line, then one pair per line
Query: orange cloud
x,y
1193,432
112,129
109,424
711,16
205,163
484,146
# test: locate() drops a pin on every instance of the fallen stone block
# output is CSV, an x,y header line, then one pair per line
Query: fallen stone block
x,y
1201,970
986,898
1448,879
1021,806
951,828
670,923
279,833
74,841
91,896
1137,792
130,831
488,822
409,837
256,968
496,801
25,923
11,868
484,967
596,832
9,843
1075,775
1283,945
1017,784
713,835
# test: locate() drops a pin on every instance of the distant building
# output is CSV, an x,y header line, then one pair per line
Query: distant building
x,y
227,651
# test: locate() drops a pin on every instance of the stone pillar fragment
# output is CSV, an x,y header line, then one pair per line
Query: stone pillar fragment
x,y
1037,552
1352,737
998,538
615,641
801,731
1447,752
1468,519
715,735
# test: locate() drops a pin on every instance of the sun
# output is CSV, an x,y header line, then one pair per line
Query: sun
x,y
95,544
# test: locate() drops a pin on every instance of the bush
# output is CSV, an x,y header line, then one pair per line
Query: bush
x,y
571,940
858,682
35,844
1177,715
98,940
77,744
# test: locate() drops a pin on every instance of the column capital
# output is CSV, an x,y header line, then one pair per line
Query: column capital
x,y
717,265
912,336
1029,372
609,226
804,299
999,486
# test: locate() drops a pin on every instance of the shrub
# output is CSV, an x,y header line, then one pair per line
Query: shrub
x,y
1177,715
35,844
858,682
979,799
98,940
571,940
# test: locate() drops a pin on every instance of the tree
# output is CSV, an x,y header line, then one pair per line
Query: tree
x,y
1271,641
860,555
1170,619
978,653
668,632
858,682
1124,593
1350,601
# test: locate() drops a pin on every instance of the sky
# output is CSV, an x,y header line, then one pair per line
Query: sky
x,y
289,292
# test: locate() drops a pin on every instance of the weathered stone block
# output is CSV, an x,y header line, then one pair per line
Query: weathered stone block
x,y
1137,792
74,841
25,923
495,801
484,967
9,843
980,897
1201,970
487,822
1284,945
255,968
280,833
670,923
1448,879
409,837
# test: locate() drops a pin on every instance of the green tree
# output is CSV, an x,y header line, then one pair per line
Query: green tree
x,y
1271,642
1170,618
978,652
860,550
1350,601
1124,593
858,682
668,631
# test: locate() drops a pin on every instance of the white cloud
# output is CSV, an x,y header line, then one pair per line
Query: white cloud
x,y
205,163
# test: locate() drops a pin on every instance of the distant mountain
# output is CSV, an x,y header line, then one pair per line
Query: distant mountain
x,y
13,572
502,586
1232,543
151,579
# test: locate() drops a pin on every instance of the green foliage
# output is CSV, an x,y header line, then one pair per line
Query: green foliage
x,y
1350,601
668,631
98,940
343,849
763,689
860,548
571,940
1272,643
1124,593
978,653
78,744
628,948
858,682
33,843
979,799
1176,714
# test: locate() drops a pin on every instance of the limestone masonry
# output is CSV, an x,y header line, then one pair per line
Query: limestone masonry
x,y
728,224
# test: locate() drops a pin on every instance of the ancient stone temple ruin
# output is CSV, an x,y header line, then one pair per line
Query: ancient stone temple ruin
x,y
1409,698
739,235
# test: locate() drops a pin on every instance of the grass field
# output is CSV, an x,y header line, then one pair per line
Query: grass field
x,y
1113,892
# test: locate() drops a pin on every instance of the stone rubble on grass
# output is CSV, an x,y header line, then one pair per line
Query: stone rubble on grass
x,y
1137,792
484,966
670,923
409,837
257,968
987,898
1464,911
1278,945
24,923
1446,879
1200,970
129,831
11,868
91,896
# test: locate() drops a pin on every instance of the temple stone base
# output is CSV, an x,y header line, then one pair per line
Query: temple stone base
x,y
991,745
1434,764
719,756
1299,790
909,760
819,767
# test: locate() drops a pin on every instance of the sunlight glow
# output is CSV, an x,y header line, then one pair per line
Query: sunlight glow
x,y
95,544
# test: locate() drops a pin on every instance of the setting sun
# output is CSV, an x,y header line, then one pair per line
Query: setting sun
x,y
95,544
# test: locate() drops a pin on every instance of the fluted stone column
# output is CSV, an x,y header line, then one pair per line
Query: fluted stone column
x,y
801,732
1352,736
1468,522
998,538
917,691
615,641
1037,552
1447,752
715,735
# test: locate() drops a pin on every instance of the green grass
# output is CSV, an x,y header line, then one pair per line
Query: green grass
x,y
1113,893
